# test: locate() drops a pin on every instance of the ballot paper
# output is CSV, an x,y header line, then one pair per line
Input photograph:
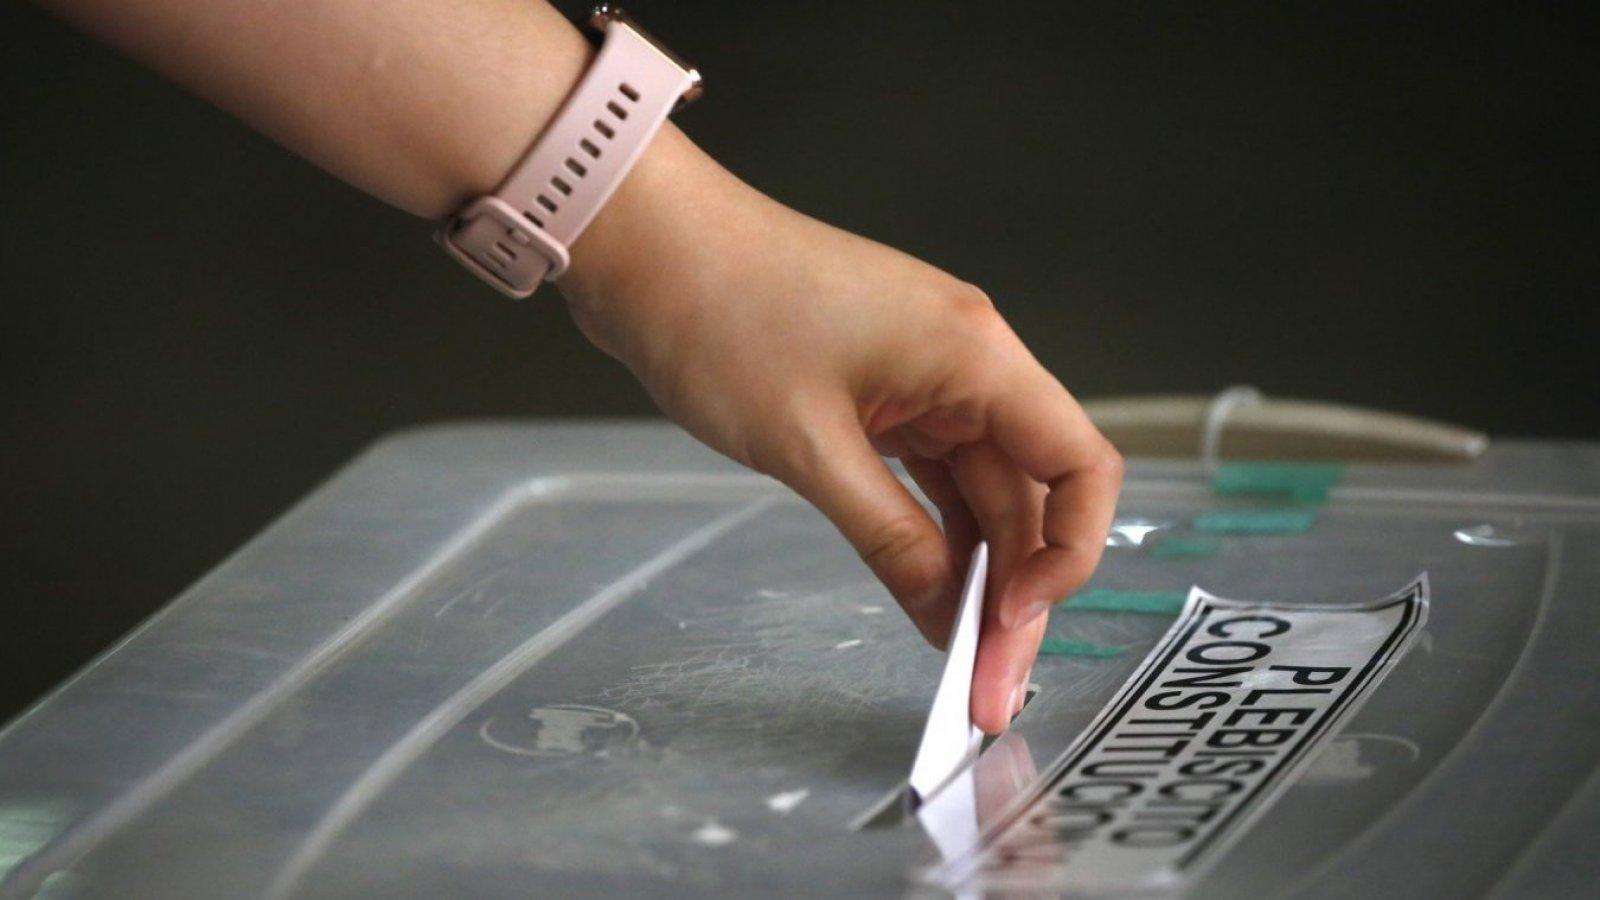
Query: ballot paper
x,y
949,739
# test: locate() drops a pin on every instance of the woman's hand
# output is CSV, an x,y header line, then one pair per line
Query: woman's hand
x,y
805,352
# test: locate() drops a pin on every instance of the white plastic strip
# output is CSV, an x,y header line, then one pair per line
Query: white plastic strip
x,y
1217,416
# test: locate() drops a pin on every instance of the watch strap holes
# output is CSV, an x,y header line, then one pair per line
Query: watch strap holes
x,y
561,185
616,110
628,91
589,147
533,218
547,203
576,167
606,131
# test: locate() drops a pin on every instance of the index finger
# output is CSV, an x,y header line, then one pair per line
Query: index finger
x,y
1040,426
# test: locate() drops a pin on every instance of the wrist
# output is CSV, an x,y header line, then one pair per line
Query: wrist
x,y
522,233
650,255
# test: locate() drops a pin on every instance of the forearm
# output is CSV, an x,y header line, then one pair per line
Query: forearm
x,y
421,103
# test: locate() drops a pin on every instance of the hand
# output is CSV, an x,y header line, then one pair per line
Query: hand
x,y
805,352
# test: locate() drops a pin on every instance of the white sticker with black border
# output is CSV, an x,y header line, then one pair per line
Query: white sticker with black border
x,y
1227,709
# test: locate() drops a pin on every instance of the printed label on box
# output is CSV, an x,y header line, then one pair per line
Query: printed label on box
x,y
1228,708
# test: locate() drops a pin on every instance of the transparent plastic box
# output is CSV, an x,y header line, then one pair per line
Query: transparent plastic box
x,y
598,660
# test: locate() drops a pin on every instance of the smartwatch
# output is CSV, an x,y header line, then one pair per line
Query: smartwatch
x,y
519,235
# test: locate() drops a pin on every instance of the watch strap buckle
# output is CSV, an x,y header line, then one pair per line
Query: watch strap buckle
x,y
503,246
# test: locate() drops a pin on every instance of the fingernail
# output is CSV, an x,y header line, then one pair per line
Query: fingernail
x,y
1030,612
1016,701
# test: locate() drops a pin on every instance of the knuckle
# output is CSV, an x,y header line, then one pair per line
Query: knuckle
x,y
980,338
898,551
1075,565
891,541
1109,464
1102,463
975,314
1078,572
972,295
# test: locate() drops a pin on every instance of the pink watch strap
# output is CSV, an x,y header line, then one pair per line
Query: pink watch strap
x,y
518,237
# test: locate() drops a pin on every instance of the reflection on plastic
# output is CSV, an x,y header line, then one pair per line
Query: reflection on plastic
x,y
27,826
561,730
979,795
1132,532
1344,761
1487,536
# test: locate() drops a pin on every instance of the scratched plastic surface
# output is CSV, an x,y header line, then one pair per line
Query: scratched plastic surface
x,y
598,661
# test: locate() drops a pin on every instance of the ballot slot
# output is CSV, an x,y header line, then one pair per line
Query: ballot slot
x,y
896,806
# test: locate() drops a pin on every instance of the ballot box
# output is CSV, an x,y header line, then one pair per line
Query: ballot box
x,y
597,660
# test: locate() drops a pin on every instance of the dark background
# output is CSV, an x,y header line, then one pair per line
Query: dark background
x,y
1350,202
